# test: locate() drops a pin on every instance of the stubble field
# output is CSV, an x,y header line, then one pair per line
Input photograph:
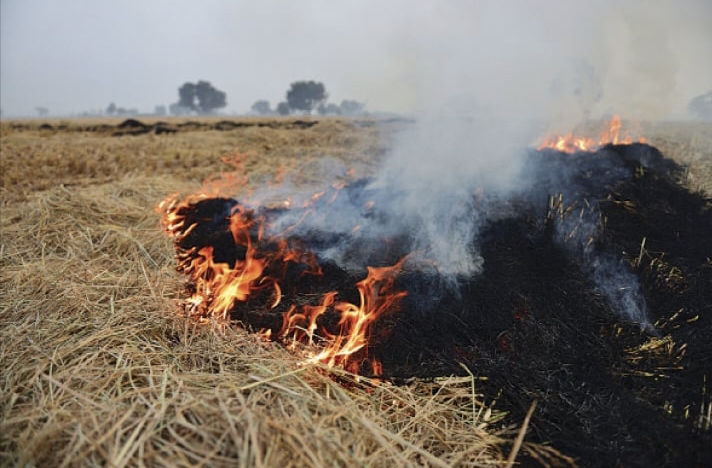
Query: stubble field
x,y
98,368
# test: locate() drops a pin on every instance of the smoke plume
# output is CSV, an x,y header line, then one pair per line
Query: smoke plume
x,y
489,80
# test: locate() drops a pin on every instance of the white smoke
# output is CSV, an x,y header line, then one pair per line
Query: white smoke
x,y
612,276
490,79
436,176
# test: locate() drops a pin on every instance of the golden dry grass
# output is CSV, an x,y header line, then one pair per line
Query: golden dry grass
x,y
34,159
98,369
690,145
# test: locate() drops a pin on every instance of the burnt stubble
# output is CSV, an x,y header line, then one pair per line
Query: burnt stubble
x,y
537,324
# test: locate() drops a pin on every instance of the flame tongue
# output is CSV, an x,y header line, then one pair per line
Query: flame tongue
x,y
348,348
218,282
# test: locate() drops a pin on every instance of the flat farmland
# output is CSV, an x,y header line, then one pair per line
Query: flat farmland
x,y
99,368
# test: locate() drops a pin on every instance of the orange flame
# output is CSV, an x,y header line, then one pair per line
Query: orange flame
x,y
218,287
348,347
572,144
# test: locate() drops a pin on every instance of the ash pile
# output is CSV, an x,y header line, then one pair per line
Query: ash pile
x,y
590,292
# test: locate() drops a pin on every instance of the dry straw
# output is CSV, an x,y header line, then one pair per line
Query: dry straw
x,y
98,369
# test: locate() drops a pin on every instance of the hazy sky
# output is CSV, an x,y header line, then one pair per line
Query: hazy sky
x,y
642,57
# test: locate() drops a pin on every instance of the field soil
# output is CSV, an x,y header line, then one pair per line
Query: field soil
x,y
98,366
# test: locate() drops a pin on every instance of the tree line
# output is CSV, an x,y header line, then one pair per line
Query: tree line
x,y
203,98
306,97
193,98
302,97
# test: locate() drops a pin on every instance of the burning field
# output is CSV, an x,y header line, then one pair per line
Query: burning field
x,y
338,302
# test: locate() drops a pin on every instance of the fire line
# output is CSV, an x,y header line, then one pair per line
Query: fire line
x,y
570,144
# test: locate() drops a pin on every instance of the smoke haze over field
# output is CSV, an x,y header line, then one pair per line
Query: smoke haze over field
x,y
559,61
484,79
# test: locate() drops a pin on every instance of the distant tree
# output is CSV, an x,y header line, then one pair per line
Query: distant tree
x,y
160,110
209,98
328,109
42,111
261,107
306,95
701,106
349,107
177,109
201,97
186,96
111,109
283,108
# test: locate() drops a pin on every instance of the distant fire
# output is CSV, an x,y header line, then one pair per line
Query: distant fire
x,y
571,144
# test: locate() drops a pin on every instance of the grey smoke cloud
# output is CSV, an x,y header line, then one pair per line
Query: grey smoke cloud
x,y
634,58
485,79
484,83
482,78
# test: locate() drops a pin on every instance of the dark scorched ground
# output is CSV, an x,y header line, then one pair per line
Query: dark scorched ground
x,y
536,327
